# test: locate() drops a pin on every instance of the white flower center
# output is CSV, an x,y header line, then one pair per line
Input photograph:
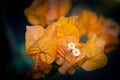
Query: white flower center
x,y
71,46
76,52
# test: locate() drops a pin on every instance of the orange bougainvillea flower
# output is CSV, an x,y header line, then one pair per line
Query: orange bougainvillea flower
x,y
42,12
60,42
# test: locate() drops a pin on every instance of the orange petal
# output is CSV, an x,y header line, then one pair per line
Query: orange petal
x,y
52,12
51,30
64,29
96,62
111,27
111,42
94,46
64,7
36,12
60,60
48,49
33,34
45,67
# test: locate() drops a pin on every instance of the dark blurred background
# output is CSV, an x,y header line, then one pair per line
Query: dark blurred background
x,y
15,63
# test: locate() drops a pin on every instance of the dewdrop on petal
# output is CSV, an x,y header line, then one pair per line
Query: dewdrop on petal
x,y
76,52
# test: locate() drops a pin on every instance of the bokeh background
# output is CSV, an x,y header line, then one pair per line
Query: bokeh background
x,y
13,29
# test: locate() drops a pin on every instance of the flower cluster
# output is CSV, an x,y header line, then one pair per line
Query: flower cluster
x,y
60,42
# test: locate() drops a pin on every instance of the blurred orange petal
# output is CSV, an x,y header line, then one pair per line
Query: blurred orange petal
x,y
111,42
36,12
42,12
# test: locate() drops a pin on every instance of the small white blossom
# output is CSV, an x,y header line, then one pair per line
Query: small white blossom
x,y
76,52
71,45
